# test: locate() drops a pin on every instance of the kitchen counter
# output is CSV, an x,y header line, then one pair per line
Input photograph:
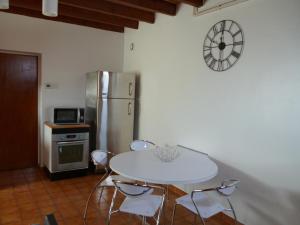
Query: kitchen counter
x,y
66,126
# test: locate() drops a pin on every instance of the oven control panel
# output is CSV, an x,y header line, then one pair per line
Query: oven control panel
x,y
70,136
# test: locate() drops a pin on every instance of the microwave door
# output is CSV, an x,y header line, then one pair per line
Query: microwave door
x,y
66,115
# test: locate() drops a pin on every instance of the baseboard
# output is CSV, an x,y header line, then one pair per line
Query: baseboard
x,y
65,174
221,217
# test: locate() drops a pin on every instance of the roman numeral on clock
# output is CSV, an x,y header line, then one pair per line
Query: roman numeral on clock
x,y
235,54
236,33
228,62
215,29
212,64
207,48
208,57
223,25
220,65
238,43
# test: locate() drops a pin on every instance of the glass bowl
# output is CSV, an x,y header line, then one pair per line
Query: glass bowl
x,y
166,153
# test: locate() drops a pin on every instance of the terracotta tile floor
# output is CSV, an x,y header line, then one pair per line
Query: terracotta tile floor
x,y
26,196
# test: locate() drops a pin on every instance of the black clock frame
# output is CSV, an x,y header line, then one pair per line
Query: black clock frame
x,y
220,27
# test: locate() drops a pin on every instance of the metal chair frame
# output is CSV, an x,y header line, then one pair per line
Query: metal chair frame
x,y
149,187
231,183
107,173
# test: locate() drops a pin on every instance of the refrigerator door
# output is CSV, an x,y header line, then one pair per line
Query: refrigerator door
x,y
115,127
116,85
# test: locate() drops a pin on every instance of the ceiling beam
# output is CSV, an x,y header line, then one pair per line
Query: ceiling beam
x,y
196,3
112,9
97,16
78,13
65,19
150,5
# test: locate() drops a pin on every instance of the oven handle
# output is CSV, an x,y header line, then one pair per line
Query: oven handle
x,y
70,142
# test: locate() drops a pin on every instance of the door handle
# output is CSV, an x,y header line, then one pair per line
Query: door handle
x,y
130,88
129,108
70,142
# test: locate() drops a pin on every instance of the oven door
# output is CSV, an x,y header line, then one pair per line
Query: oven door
x,y
70,155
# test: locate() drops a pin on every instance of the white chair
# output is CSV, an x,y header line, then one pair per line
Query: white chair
x,y
204,206
139,200
141,145
101,157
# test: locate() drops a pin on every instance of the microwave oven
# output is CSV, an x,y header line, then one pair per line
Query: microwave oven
x,y
67,115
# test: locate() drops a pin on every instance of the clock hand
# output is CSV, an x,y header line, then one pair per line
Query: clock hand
x,y
220,61
223,30
212,40
215,42
220,55
223,33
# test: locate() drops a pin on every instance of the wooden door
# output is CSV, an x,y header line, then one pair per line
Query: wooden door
x,y
18,111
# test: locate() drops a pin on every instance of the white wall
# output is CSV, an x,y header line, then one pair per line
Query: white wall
x,y
68,52
246,118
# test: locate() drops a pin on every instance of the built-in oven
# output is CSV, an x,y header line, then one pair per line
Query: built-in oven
x,y
70,151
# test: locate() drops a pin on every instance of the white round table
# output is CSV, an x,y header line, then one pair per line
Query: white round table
x,y
189,168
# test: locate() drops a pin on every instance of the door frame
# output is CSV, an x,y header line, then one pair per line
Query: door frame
x,y
39,103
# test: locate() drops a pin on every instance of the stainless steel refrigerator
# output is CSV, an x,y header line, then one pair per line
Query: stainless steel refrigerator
x,y
110,101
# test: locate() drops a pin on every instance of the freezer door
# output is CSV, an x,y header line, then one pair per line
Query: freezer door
x,y
116,85
115,130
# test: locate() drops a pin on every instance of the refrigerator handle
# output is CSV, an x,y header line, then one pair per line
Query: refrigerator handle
x,y
129,108
130,88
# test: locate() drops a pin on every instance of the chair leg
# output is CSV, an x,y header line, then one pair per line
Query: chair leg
x,y
173,213
111,206
89,198
160,210
101,192
202,220
233,211
167,192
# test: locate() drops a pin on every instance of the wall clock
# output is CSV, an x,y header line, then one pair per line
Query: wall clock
x,y
223,45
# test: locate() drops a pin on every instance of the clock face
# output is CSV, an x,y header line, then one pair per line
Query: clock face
x,y
223,45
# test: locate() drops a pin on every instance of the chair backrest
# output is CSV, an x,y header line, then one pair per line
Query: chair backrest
x,y
135,190
101,157
228,186
141,145
131,189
